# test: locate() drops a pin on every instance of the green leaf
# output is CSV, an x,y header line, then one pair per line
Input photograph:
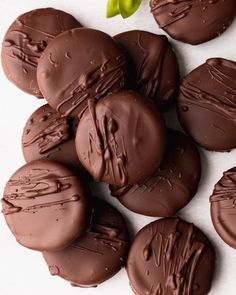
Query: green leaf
x,y
128,7
112,8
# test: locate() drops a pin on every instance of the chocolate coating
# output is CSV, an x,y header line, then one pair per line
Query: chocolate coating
x,y
170,256
45,206
173,184
98,254
153,68
206,104
120,139
78,65
223,207
25,42
48,135
193,21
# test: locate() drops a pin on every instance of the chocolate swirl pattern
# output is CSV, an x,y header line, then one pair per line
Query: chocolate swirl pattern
x,y
170,256
41,193
25,41
209,92
193,21
223,207
80,71
154,68
102,250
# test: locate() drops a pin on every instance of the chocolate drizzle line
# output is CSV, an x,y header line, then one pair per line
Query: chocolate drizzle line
x,y
178,259
225,189
105,76
183,9
224,104
39,183
55,133
104,140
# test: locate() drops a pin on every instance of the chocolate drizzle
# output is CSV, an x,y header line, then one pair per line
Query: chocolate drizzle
x,y
80,71
207,104
43,199
174,15
103,77
223,207
225,189
223,103
173,258
103,139
55,133
38,183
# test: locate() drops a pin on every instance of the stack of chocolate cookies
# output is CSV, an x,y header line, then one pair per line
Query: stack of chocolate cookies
x,y
104,122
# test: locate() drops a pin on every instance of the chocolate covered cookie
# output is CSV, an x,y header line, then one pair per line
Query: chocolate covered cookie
x,y
153,65
193,21
98,254
121,138
49,135
171,186
207,104
78,65
223,207
170,256
25,41
45,206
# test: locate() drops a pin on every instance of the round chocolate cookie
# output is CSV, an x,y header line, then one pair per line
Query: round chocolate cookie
x,y
173,184
45,206
207,104
78,65
25,41
193,21
170,256
154,69
98,254
48,135
223,207
121,139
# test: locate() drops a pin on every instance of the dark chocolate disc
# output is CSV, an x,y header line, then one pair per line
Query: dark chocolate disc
x,y
78,65
98,254
207,104
26,40
48,135
170,256
193,21
121,139
173,184
45,206
153,65
223,207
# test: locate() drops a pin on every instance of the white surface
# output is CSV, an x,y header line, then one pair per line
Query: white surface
x,y
23,271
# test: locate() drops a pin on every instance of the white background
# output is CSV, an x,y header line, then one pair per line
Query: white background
x,y
23,271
